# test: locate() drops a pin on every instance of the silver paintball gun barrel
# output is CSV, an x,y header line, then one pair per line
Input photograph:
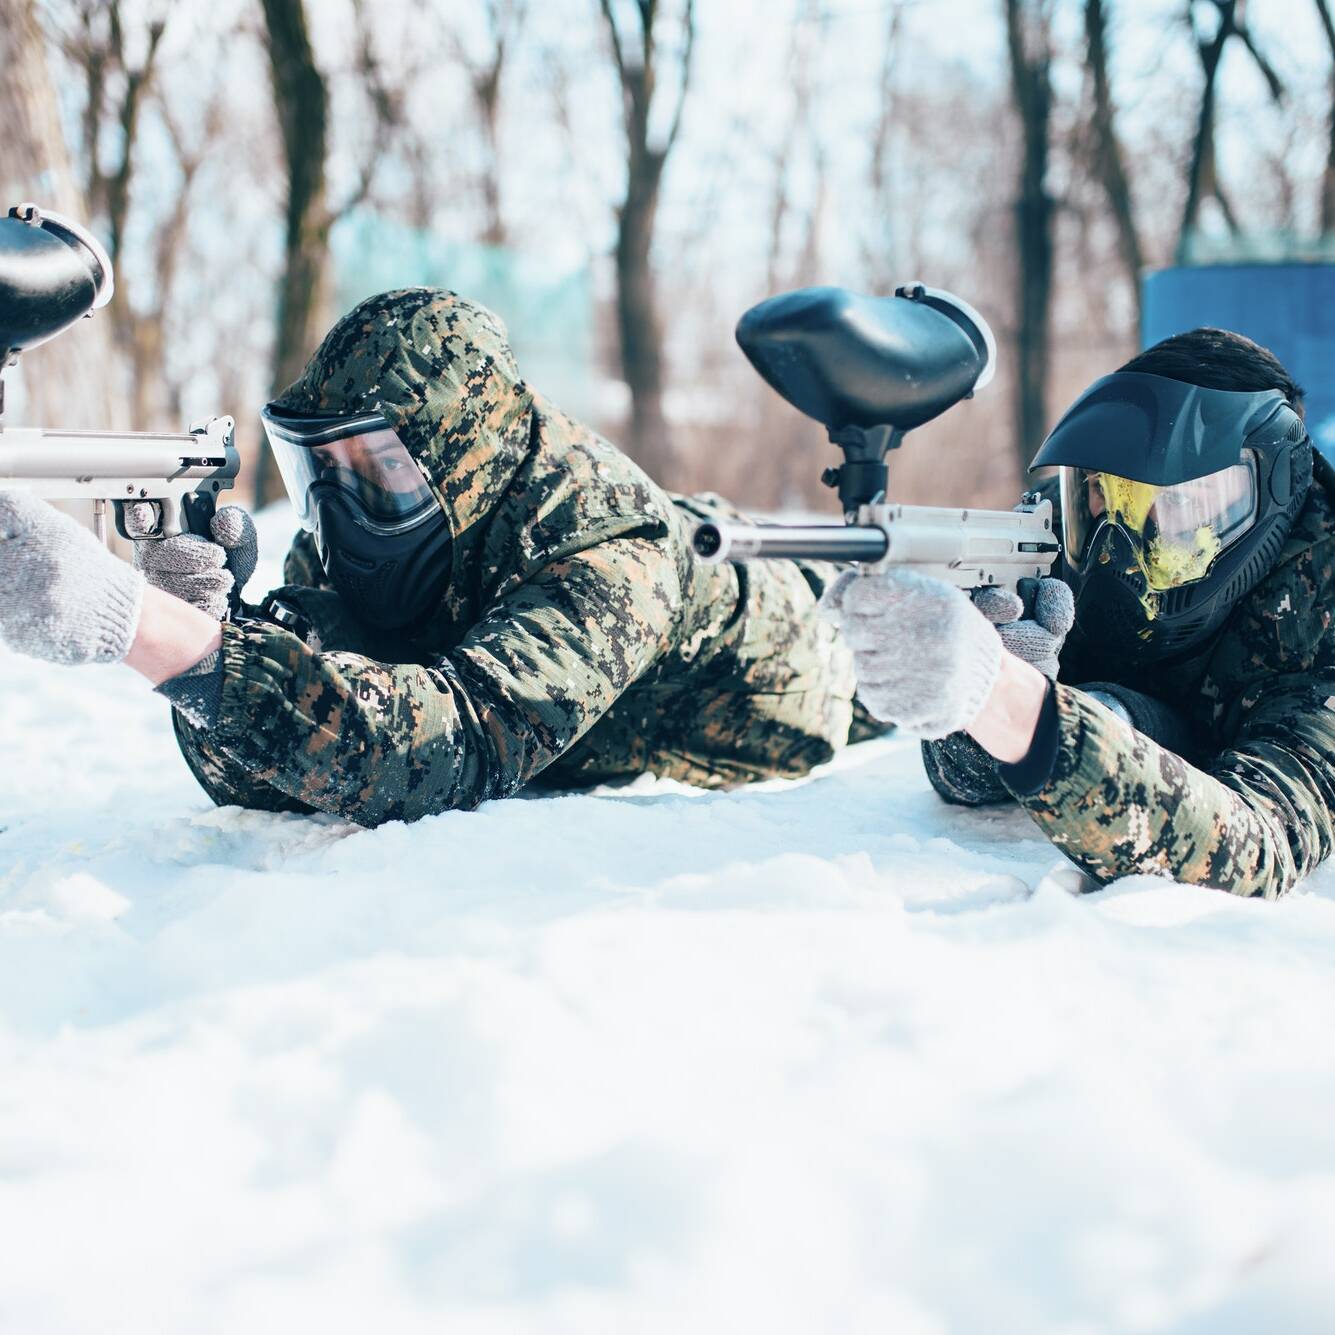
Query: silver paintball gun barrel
x,y
870,369
966,548
52,274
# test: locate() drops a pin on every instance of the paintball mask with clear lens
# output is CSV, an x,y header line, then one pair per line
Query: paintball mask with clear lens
x,y
381,534
1176,501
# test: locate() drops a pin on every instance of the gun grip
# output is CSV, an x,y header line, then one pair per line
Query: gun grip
x,y
197,511
1027,590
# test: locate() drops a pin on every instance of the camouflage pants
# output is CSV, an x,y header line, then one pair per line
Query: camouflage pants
x,y
768,693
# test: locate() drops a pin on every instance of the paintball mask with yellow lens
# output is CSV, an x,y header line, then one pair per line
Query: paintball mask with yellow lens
x,y
1176,500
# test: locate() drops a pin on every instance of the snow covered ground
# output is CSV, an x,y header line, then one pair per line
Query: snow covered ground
x,y
814,1057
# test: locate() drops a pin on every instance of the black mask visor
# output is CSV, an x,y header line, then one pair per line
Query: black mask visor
x,y
1152,429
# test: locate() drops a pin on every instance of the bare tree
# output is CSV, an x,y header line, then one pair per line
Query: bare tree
x,y
884,255
71,383
789,475
114,190
1328,176
1203,176
505,18
637,57
1109,158
99,48
301,99
157,396
1029,41
804,48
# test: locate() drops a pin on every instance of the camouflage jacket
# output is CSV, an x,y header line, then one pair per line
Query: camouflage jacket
x,y
1252,810
578,640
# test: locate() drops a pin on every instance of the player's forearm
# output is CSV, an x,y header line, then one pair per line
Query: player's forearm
x,y
172,637
365,740
1118,804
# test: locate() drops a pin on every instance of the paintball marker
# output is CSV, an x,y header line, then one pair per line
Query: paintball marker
x,y
52,274
870,369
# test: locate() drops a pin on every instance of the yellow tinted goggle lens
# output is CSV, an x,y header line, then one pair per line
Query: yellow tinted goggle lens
x,y
1177,531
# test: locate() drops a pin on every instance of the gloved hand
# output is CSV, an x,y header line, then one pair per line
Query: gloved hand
x,y
63,596
193,568
926,657
1038,637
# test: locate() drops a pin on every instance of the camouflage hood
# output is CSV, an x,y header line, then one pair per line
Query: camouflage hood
x,y
440,369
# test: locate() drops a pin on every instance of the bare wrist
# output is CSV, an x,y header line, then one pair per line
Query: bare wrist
x,y
1006,723
172,636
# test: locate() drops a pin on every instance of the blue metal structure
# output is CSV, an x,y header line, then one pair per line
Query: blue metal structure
x,y
1289,308
548,312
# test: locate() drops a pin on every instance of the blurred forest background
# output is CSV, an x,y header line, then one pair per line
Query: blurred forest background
x,y
620,179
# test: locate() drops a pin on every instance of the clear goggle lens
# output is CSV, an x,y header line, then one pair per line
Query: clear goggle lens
x,y
362,457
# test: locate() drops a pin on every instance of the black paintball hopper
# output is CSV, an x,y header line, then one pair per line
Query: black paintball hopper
x,y
868,368
849,360
52,273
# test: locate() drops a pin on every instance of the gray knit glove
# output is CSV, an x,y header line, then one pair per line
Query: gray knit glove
x,y
63,596
1038,637
193,568
925,657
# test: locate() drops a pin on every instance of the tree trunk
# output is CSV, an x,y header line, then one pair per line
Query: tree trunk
x,y
1328,176
1030,57
1111,161
149,401
1202,179
487,94
638,326
641,334
71,382
301,100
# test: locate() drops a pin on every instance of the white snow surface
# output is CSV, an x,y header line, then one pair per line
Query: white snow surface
x,y
825,1056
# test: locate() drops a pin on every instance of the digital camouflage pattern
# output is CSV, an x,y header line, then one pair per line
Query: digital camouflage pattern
x,y
578,639
1256,811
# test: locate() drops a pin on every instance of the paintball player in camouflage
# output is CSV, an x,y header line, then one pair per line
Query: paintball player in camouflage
x,y
1189,728
484,594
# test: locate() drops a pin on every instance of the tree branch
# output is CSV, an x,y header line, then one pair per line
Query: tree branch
x,y
387,106
1327,24
1272,79
136,83
617,54
688,50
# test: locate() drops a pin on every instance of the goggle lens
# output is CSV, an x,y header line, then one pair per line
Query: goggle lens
x,y
362,457
1177,530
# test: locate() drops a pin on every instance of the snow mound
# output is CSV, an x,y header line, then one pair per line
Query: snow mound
x,y
815,1056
